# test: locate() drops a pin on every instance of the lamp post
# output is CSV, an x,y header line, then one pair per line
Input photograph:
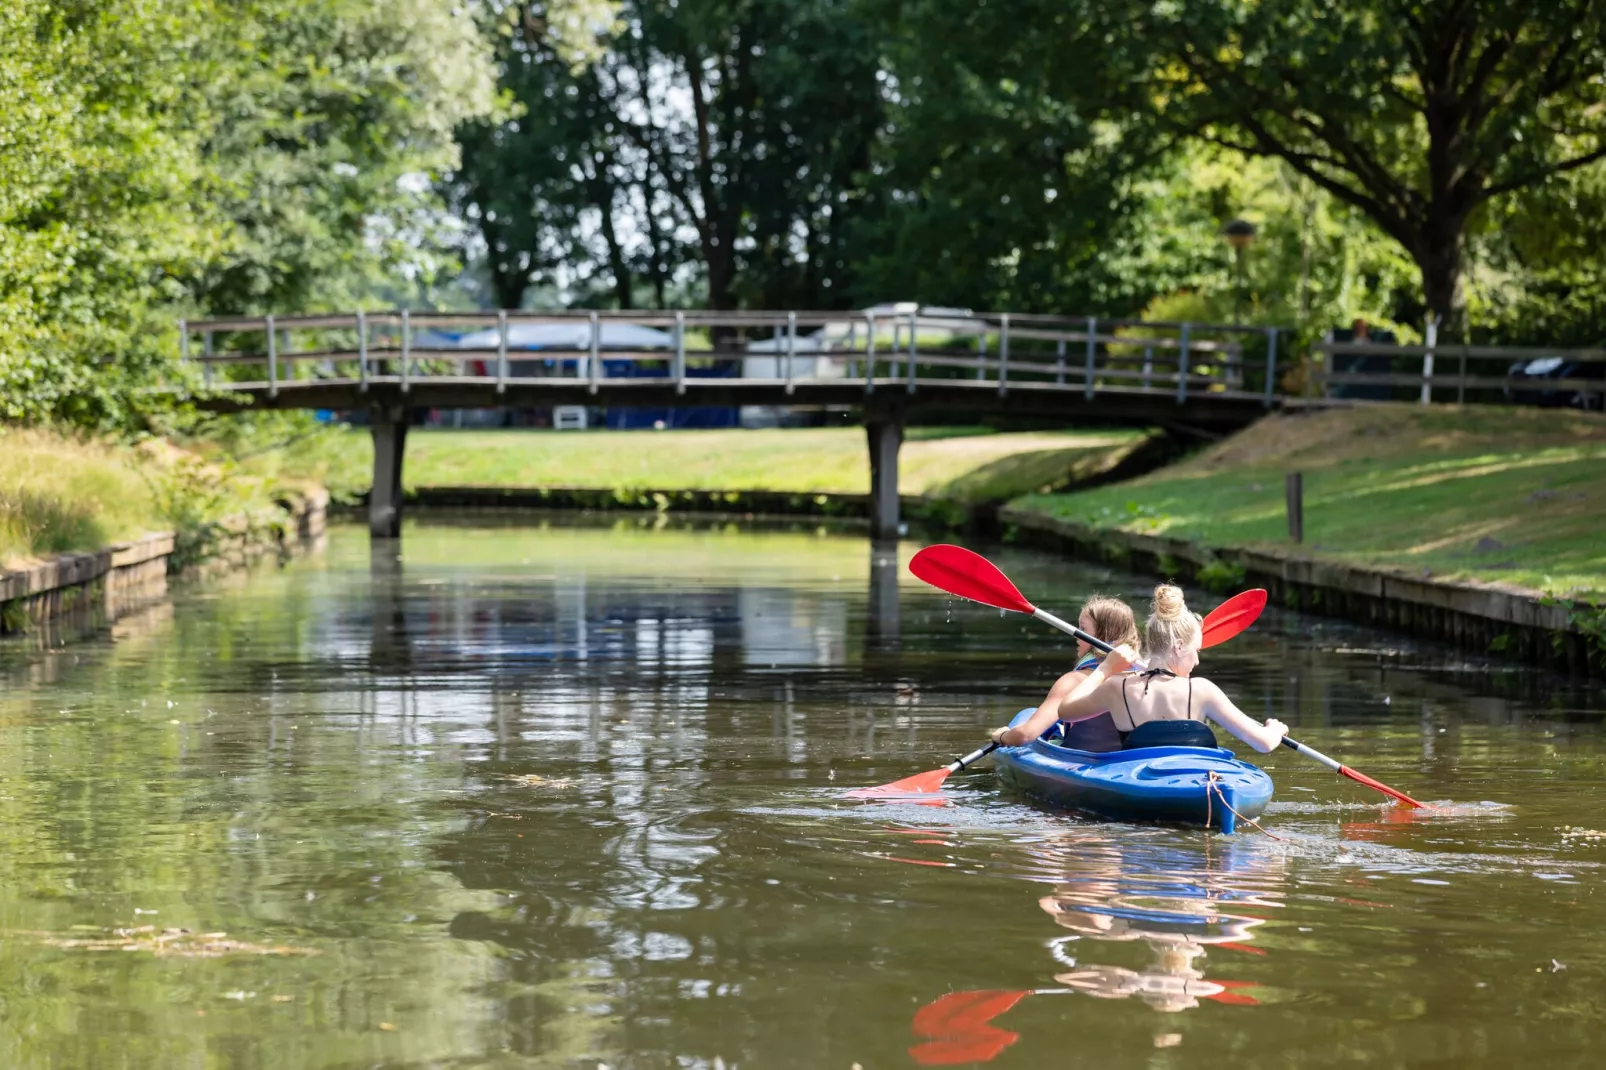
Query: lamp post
x,y
1240,234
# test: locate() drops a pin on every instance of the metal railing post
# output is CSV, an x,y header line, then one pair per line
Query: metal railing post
x,y
869,353
1059,362
407,351
1182,367
273,359
680,352
1092,346
594,364
1003,354
501,351
981,354
853,349
1271,366
791,348
1427,359
362,351
914,324
206,354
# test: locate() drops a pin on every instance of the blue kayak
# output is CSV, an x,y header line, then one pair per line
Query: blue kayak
x,y
1171,784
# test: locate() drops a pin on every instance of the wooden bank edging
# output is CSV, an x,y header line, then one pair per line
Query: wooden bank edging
x,y
1472,616
103,584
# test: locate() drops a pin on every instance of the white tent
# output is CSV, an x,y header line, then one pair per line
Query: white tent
x,y
575,336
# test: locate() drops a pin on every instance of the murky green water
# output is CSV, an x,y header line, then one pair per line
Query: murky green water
x,y
566,797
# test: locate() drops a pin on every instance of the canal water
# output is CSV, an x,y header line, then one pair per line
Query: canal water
x,y
546,795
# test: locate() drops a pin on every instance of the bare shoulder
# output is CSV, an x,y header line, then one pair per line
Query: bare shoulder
x,y
1204,686
1069,681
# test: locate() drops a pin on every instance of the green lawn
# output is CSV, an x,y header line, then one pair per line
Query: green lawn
x,y
958,464
1494,494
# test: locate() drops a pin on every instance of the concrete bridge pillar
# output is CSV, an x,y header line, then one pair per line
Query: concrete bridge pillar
x,y
389,429
885,433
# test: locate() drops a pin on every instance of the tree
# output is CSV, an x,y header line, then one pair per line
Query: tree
x,y
165,158
1417,112
721,136
1009,174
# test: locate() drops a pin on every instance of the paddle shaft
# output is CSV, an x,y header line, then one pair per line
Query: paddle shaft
x,y
974,756
1345,771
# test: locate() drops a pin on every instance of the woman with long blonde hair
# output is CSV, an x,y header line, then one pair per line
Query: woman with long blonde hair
x,y
1167,691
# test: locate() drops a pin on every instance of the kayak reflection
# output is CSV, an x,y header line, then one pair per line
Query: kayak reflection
x,y
1180,901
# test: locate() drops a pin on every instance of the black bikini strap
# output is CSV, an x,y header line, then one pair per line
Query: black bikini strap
x,y
1127,703
1148,678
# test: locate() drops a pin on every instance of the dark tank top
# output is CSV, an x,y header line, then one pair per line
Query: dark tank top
x,y
1098,733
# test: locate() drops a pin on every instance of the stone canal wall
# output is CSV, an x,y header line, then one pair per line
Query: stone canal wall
x,y
96,587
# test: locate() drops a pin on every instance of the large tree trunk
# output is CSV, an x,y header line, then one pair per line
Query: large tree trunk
x,y
1439,255
508,280
616,253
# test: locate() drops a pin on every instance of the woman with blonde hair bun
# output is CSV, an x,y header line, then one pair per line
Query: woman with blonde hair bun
x,y
1111,620
1166,696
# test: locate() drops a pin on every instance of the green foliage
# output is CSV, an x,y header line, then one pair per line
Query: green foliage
x,y
1417,116
170,157
1220,576
709,146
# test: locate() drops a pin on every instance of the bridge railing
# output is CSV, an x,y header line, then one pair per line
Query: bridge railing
x,y
1373,371
880,351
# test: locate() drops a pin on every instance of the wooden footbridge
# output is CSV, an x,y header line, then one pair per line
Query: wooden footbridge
x,y
884,365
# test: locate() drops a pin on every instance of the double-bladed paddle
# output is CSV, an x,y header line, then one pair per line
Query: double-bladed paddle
x,y
971,576
967,574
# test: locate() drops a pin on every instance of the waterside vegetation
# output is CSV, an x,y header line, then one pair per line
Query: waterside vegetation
x,y
1502,496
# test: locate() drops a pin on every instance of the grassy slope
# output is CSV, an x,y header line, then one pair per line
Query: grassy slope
x,y
1505,495
966,466
60,492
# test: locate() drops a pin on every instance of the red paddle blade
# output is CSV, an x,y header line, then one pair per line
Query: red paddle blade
x,y
959,1028
1232,617
920,784
959,1012
1362,778
982,1046
969,575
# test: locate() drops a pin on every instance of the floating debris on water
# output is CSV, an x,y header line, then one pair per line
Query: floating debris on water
x,y
180,942
534,780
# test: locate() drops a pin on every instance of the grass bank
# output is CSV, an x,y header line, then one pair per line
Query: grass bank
x,y
962,465
1506,496
63,492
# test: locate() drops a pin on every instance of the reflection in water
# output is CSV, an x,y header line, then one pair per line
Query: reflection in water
x,y
1176,899
548,796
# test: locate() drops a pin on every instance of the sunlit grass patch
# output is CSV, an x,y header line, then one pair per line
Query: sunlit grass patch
x,y
964,464
1499,495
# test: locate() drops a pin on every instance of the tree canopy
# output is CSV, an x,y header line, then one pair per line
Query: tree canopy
x,y
167,158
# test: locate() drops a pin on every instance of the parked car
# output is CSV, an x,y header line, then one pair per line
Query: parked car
x,y
1526,378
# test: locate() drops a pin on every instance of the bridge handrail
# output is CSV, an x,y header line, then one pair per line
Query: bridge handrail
x,y
881,349
1428,375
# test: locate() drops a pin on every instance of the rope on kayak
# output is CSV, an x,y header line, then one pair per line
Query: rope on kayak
x,y
1213,791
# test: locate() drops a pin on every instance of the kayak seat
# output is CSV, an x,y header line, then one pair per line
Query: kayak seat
x,y
1170,734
